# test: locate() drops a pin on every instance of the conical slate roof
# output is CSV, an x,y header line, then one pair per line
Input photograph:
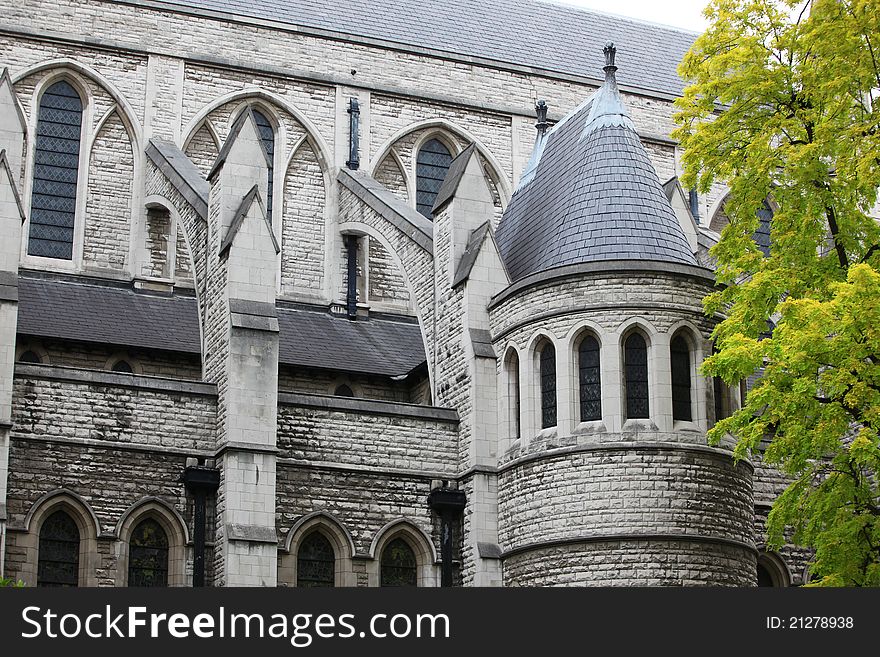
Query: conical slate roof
x,y
590,193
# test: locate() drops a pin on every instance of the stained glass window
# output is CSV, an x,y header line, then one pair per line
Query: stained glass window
x,y
635,359
59,551
267,134
148,555
398,564
56,167
589,379
548,386
315,562
432,163
680,358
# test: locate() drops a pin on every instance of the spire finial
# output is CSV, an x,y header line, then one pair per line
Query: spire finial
x,y
541,112
610,51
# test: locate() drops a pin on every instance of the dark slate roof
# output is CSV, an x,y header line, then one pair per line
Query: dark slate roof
x,y
528,33
594,196
107,314
372,346
114,314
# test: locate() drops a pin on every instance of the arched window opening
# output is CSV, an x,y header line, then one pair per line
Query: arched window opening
x,y
398,564
513,394
148,555
764,576
548,386
635,359
56,169
315,562
267,134
680,363
58,551
29,357
589,379
432,164
343,391
122,366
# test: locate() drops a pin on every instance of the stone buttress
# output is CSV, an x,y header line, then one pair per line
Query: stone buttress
x,y
241,357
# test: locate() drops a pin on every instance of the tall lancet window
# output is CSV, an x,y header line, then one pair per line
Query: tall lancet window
x,y
511,365
56,169
547,363
432,163
589,382
267,134
680,362
58,560
635,361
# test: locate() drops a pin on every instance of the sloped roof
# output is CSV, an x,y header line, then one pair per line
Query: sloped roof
x,y
594,196
114,314
528,33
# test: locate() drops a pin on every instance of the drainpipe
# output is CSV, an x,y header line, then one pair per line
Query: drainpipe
x,y
200,480
448,503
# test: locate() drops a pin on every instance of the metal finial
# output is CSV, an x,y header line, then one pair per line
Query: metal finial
x,y
541,112
610,51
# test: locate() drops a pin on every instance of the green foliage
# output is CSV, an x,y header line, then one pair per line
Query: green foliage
x,y
7,582
784,102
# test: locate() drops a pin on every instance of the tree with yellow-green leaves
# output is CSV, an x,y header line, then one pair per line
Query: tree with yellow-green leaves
x,y
784,103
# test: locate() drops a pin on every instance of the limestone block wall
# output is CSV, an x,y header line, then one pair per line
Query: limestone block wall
x,y
367,434
85,434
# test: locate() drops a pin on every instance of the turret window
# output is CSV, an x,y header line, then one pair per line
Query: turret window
x,y
589,379
511,364
635,360
680,362
547,362
56,170
432,164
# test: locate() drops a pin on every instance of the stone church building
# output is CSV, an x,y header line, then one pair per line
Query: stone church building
x,y
362,293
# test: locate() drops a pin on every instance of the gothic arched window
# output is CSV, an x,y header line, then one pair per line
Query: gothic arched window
x,y
58,563
547,362
56,169
432,163
635,362
29,357
148,555
589,379
343,390
398,564
267,134
513,398
315,562
680,363
122,366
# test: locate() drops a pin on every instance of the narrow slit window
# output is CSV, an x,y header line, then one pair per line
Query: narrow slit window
x,y
680,362
56,169
548,386
589,381
513,399
432,164
635,359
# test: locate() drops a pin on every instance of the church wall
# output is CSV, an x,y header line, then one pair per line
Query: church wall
x,y
366,434
101,357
